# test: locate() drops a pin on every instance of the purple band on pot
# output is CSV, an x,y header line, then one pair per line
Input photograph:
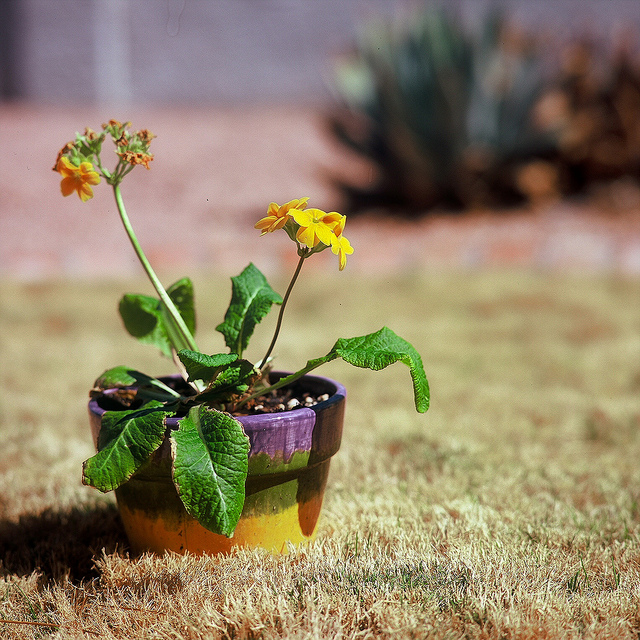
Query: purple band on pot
x,y
280,434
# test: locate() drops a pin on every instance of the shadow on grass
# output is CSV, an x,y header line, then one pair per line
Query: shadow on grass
x,y
60,544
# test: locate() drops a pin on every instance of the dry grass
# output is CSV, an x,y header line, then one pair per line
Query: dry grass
x,y
509,511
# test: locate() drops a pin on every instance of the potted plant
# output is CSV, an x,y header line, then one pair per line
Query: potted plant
x,y
227,451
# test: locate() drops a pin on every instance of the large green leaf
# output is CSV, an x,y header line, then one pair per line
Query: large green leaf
x,y
144,317
125,442
202,367
377,351
251,300
210,461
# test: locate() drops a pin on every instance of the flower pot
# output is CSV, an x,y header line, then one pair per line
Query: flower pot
x,y
289,459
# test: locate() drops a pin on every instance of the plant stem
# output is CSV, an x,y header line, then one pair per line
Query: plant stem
x,y
285,380
174,314
282,308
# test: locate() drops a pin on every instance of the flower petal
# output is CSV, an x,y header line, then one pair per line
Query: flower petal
x,y
339,228
66,168
279,223
264,223
301,203
273,209
303,218
324,233
341,247
85,192
67,186
307,237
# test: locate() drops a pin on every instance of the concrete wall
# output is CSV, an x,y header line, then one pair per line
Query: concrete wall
x,y
222,51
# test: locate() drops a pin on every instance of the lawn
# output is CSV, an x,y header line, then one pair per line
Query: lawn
x,y
509,510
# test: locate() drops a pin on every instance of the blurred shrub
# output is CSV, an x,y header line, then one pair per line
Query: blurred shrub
x,y
444,113
595,108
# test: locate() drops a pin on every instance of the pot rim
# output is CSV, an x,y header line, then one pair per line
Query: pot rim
x,y
258,421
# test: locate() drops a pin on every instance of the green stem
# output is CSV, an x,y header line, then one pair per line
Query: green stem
x,y
177,319
282,308
282,382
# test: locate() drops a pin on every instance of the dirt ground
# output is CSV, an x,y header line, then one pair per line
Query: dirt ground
x,y
215,172
508,510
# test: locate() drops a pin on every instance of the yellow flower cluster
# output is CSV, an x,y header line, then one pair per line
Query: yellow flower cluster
x,y
311,228
79,162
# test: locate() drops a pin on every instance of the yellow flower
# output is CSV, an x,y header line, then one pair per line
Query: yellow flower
x,y
315,226
76,178
342,248
310,228
277,216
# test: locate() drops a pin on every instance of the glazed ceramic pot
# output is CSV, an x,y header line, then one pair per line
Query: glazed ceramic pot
x,y
289,457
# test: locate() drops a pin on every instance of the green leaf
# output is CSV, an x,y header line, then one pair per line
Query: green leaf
x,y
210,462
125,442
251,300
202,367
234,380
123,376
144,317
181,293
120,376
376,351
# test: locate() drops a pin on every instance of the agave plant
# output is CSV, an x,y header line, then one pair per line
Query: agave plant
x,y
443,112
